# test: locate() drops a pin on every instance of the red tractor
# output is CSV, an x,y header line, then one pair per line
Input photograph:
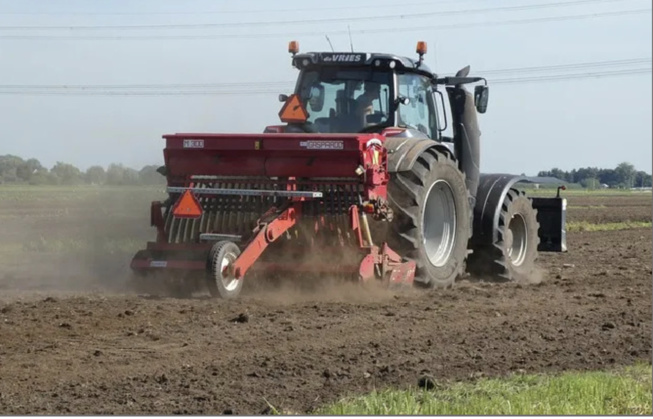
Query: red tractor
x,y
359,181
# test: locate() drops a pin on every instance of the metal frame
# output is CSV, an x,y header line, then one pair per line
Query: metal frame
x,y
246,192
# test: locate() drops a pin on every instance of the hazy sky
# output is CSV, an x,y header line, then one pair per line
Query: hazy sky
x,y
529,126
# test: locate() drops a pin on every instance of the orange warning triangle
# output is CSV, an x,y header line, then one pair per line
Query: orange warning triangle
x,y
293,111
187,206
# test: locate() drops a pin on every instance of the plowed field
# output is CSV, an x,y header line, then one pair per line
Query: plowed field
x,y
73,341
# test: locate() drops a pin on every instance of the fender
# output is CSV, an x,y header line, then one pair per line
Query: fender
x,y
492,190
404,151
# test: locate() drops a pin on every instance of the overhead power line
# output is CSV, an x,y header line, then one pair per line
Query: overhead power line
x,y
275,84
261,87
250,11
513,80
421,14
565,67
314,33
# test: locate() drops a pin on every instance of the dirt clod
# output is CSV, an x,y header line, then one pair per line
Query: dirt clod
x,y
241,318
426,383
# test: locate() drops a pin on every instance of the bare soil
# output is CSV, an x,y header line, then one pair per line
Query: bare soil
x,y
74,347
602,209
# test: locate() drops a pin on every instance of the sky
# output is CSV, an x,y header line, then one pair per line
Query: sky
x,y
565,91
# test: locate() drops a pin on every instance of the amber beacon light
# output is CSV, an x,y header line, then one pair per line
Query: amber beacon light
x,y
421,48
293,47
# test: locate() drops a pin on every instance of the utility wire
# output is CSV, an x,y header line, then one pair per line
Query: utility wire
x,y
283,84
613,73
221,12
262,90
314,33
559,67
395,16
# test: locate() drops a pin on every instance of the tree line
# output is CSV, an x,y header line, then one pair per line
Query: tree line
x,y
622,176
14,169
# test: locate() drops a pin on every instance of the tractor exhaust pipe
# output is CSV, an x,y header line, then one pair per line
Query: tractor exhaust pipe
x,y
466,136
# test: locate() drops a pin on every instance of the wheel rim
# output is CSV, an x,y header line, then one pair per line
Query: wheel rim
x,y
518,246
229,281
439,223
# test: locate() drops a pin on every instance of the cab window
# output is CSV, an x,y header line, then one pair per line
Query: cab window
x,y
420,112
346,100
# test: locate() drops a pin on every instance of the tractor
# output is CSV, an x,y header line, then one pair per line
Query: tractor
x,y
360,180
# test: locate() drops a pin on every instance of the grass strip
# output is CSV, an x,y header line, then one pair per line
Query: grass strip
x,y
623,392
624,225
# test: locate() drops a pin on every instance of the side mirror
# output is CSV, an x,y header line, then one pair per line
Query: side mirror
x,y
481,96
283,98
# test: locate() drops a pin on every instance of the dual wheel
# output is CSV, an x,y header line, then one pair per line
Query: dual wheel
x,y
433,222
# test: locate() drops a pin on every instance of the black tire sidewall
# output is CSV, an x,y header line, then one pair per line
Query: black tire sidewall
x,y
522,206
445,275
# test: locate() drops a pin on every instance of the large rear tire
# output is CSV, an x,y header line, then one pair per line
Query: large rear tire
x,y
513,257
432,218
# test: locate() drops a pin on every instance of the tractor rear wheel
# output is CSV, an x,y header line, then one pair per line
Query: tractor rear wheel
x,y
432,218
512,258
221,282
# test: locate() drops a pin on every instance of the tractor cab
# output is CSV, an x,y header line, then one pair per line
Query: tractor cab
x,y
351,92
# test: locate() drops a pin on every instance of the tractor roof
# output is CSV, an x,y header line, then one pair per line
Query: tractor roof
x,y
310,59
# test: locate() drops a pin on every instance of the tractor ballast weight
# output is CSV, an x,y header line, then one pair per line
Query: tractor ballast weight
x,y
391,199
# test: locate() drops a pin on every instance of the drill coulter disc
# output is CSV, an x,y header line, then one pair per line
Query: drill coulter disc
x,y
221,280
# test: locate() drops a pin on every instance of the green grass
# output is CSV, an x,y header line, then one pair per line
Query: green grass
x,y
624,392
625,225
584,192
586,206
71,194
110,246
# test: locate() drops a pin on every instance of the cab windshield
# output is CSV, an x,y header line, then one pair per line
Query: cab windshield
x,y
346,100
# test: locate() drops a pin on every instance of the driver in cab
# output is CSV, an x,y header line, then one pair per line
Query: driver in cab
x,y
364,103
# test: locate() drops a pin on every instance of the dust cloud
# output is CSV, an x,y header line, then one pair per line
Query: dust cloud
x,y
72,240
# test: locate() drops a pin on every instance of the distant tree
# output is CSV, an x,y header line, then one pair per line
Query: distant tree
x,y
95,175
117,174
67,173
586,173
590,183
609,177
9,165
626,173
623,176
555,172
130,176
43,177
27,169
643,180
149,176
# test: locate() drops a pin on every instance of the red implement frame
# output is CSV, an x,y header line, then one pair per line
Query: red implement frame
x,y
266,233
361,157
